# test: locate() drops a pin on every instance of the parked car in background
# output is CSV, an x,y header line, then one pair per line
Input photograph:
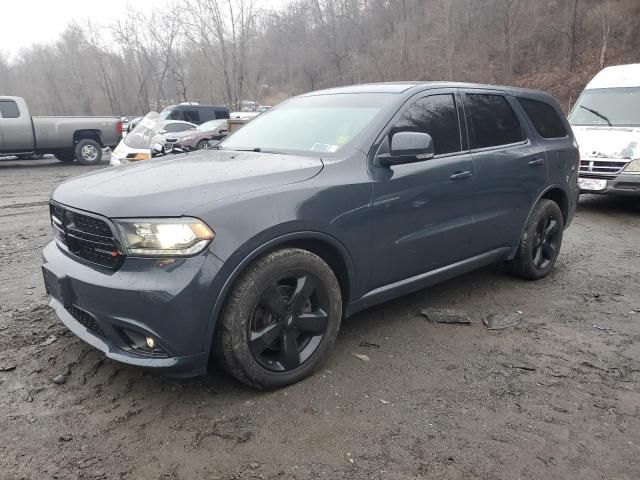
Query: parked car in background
x,y
264,108
132,124
67,138
151,137
199,139
169,133
606,122
195,113
126,121
332,202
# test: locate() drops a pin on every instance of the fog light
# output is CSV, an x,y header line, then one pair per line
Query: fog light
x,y
151,343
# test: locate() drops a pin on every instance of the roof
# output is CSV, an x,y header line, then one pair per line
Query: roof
x,y
402,87
619,76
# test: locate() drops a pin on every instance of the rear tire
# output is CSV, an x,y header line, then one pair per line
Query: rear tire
x,y
280,319
88,152
541,242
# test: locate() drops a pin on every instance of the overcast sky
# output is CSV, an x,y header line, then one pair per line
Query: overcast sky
x,y
25,22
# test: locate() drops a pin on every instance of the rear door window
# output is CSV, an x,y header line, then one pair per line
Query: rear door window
x,y
9,109
492,121
436,115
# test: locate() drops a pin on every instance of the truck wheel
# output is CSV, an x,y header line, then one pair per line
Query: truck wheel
x,y
540,243
280,320
88,152
66,157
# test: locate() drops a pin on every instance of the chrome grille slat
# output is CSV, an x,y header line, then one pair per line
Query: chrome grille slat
x,y
602,166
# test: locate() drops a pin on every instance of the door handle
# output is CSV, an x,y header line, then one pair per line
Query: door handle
x,y
461,175
537,162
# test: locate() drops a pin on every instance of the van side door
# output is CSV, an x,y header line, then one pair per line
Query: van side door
x,y
423,212
511,167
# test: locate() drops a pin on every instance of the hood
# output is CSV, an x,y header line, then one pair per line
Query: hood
x,y
608,142
178,184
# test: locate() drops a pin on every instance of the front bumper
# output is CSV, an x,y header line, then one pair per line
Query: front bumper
x,y
170,300
623,184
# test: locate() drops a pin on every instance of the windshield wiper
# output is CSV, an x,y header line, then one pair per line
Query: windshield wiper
x,y
256,149
597,114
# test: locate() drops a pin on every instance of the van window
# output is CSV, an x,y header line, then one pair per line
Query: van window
x,y
192,116
544,117
436,115
617,107
207,113
492,121
9,109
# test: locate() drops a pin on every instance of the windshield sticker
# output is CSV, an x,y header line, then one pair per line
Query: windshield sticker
x,y
325,147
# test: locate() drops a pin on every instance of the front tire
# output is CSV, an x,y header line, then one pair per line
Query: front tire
x,y
280,319
541,241
88,152
202,145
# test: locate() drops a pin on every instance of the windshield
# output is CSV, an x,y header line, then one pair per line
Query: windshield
x,y
211,125
146,129
616,107
321,123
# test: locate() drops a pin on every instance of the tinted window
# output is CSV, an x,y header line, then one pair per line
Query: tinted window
x,y
173,115
544,117
191,116
492,121
207,113
9,109
436,115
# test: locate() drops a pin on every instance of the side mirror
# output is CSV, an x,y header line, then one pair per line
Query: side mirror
x,y
224,130
407,147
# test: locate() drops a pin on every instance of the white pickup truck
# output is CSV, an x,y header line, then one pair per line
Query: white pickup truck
x,y
67,138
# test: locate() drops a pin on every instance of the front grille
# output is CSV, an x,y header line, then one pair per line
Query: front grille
x,y
602,167
86,237
86,319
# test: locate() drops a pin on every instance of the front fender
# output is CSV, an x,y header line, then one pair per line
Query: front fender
x,y
252,250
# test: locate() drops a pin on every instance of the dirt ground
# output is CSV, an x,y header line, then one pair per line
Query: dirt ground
x,y
556,397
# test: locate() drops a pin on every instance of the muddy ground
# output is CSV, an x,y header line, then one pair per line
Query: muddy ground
x,y
556,397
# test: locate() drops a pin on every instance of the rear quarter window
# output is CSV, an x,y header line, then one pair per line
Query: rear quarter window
x,y
544,117
9,109
492,121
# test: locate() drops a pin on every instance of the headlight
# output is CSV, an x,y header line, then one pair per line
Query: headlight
x,y
633,167
164,237
135,157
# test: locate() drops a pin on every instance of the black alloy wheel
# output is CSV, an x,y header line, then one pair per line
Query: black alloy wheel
x,y
546,242
280,319
540,243
289,321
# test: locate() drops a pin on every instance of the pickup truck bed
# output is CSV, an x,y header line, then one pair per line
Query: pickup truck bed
x,y
68,138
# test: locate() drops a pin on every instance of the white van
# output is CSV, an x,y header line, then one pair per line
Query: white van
x,y
606,123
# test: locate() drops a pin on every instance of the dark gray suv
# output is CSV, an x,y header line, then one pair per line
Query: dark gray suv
x,y
328,204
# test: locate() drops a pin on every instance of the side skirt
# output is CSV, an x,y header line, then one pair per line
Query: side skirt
x,y
424,280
